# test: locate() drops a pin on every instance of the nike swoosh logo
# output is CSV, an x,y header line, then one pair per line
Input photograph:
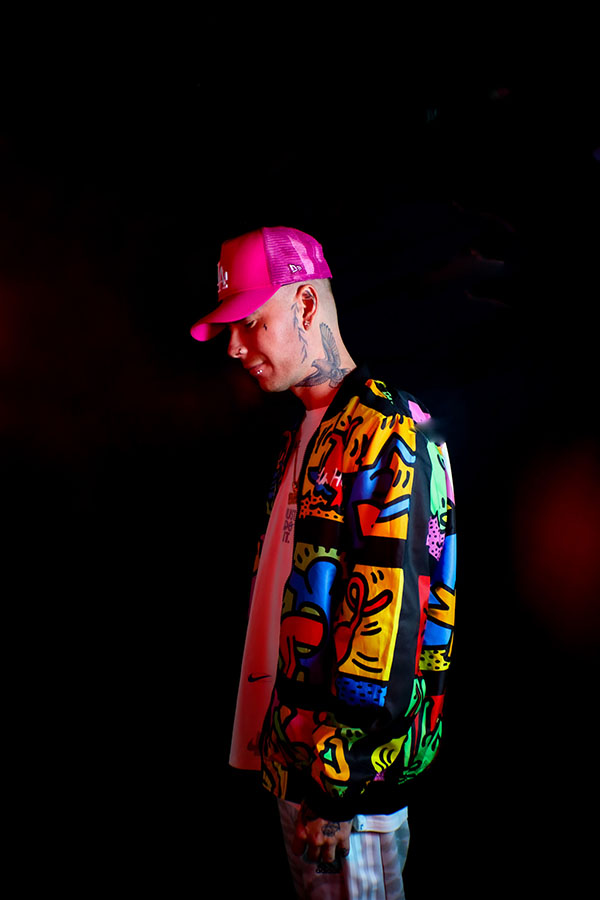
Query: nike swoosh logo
x,y
257,677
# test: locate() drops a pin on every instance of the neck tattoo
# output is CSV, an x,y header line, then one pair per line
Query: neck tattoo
x,y
328,369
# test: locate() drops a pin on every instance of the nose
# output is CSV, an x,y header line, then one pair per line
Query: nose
x,y
236,348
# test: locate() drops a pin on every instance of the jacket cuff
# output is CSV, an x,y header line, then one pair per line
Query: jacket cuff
x,y
334,809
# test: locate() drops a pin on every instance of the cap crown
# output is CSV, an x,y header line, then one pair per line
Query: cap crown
x,y
269,257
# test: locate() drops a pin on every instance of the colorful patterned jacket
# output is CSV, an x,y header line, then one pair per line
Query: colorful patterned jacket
x,y
368,611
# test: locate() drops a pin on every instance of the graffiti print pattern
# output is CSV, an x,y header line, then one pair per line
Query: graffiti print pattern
x,y
368,612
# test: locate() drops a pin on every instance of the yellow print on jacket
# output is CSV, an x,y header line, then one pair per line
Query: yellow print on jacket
x,y
365,629
380,448
387,754
379,388
330,756
383,483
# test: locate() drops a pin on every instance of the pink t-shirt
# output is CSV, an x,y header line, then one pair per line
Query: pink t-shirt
x,y
259,664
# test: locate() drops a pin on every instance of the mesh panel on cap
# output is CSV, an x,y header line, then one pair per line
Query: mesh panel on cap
x,y
293,256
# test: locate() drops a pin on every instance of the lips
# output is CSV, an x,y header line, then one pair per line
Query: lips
x,y
255,368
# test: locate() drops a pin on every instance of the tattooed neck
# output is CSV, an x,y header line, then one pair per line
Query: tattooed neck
x,y
327,369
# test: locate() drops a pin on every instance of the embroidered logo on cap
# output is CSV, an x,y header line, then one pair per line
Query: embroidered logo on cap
x,y
222,278
294,268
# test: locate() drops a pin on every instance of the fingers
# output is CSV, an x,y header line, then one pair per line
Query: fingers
x,y
300,838
320,852
326,852
330,852
322,839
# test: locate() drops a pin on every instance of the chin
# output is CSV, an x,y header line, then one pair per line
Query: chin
x,y
274,388
275,385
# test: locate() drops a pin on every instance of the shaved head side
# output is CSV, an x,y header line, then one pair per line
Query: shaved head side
x,y
326,310
321,285
293,342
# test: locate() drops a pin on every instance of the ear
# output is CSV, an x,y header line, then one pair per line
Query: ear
x,y
307,299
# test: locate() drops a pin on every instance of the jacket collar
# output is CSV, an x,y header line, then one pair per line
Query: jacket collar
x,y
348,388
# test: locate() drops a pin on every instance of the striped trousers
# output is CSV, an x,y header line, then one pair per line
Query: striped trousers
x,y
373,869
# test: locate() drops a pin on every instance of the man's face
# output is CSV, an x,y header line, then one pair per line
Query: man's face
x,y
268,343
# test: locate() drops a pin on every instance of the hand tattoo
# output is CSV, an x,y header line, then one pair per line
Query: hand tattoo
x,y
328,369
328,829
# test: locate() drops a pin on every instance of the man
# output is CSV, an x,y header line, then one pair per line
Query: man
x,y
352,615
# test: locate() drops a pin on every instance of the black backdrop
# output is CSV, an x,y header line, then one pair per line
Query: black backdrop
x,y
460,224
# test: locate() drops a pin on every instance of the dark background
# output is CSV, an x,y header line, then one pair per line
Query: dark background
x,y
461,225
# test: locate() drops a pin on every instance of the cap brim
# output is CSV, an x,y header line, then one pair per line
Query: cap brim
x,y
233,309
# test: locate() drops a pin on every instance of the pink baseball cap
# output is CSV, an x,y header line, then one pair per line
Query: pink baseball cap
x,y
253,267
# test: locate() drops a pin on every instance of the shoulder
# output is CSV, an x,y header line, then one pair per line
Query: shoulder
x,y
383,398
389,400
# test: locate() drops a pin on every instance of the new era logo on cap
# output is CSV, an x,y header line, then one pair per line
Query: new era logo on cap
x,y
294,268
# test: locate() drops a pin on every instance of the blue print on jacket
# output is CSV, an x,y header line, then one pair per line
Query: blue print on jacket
x,y
377,487
305,622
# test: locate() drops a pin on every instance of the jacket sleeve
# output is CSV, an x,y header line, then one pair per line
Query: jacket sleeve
x,y
392,631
